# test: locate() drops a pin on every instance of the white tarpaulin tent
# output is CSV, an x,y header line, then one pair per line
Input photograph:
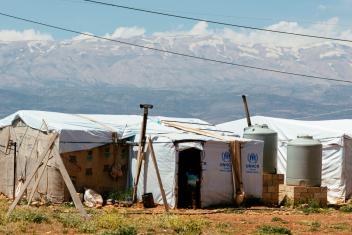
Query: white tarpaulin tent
x,y
216,187
336,137
83,131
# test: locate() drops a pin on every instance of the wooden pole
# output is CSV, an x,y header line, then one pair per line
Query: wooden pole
x,y
151,148
14,169
246,110
196,130
30,177
140,155
235,150
70,186
44,166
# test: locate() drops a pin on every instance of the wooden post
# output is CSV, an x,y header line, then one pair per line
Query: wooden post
x,y
69,184
30,177
44,165
14,169
151,148
246,110
140,155
235,150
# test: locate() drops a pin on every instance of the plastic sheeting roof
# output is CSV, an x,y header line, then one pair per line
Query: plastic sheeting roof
x,y
289,129
93,128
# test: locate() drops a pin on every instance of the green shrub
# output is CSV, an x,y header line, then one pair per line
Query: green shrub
x,y
181,225
69,220
87,227
278,219
111,221
311,207
346,208
29,216
268,229
126,230
120,196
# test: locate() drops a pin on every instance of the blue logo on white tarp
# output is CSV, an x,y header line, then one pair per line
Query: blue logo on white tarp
x,y
252,165
225,164
226,157
252,158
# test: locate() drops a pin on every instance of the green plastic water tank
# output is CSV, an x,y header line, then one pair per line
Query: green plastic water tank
x,y
304,160
264,133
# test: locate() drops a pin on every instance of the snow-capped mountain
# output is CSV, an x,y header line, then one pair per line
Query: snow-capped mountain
x,y
91,75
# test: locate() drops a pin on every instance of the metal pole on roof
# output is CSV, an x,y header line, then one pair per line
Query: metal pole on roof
x,y
246,110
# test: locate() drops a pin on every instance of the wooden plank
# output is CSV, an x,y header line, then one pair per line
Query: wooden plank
x,y
150,145
235,150
140,155
196,131
70,186
48,147
44,165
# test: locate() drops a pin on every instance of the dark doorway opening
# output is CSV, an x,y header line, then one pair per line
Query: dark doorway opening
x,y
189,175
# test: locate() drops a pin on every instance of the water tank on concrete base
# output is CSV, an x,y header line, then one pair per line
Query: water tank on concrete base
x,y
304,160
263,132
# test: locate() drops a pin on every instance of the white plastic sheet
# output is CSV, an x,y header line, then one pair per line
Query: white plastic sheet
x,y
337,151
86,131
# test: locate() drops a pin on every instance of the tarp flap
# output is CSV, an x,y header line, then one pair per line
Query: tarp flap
x,y
216,185
165,155
81,140
188,145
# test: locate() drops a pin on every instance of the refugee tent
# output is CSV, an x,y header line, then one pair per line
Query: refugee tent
x,y
178,152
83,137
90,151
336,137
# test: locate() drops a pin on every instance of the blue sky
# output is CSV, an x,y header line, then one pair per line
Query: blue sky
x,y
100,20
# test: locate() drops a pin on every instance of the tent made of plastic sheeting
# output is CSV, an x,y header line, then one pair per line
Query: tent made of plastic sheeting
x,y
84,135
85,131
174,153
91,147
335,136
91,152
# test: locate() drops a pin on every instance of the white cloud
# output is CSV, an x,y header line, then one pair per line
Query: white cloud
x,y
25,35
84,37
329,28
200,28
126,32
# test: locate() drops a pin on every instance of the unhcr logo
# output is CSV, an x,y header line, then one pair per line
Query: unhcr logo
x,y
252,158
226,157
225,164
252,165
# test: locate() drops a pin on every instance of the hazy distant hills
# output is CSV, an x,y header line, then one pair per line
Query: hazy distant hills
x,y
94,76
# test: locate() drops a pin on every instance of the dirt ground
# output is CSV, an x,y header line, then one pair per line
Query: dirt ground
x,y
109,220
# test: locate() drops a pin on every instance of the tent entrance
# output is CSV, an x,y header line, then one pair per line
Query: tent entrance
x,y
189,175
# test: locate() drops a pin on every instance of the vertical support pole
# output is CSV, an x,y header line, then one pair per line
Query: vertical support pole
x,y
151,148
141,146
14,169
235,150
246,110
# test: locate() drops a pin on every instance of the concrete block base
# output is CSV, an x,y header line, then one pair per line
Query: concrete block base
x,y
271,184
303,194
